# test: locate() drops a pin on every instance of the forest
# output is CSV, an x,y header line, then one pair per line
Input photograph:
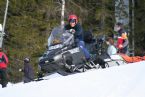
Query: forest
x,y
29,23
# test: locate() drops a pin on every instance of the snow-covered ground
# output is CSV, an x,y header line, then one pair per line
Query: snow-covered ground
x,y
118,81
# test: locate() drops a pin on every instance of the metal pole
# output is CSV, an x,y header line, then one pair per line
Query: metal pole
x,y
4,23
62,14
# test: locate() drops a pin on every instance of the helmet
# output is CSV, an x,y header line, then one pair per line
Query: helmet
x,y
72,18
26,59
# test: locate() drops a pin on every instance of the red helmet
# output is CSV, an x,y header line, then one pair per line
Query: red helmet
x,y
73,17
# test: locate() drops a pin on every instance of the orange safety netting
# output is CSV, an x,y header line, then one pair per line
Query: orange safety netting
x,y
132,59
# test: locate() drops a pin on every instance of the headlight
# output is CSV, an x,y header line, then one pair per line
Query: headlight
x,y
46,61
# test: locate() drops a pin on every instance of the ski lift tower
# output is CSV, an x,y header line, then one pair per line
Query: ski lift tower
x,y
2,27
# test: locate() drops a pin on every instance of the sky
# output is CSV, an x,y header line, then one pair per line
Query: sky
x,y
117,81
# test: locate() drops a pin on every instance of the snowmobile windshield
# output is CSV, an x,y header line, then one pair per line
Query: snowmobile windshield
x,y
59,37
55,37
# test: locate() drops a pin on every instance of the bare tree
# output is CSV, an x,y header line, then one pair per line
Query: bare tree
x,y
2,33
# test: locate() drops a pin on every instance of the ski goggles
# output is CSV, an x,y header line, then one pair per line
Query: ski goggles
x,y
72,21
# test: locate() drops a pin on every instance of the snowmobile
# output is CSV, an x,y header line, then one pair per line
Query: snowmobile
x,y
97,49
62,54
64,57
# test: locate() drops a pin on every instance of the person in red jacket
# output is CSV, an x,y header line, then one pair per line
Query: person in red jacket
x,y
3,69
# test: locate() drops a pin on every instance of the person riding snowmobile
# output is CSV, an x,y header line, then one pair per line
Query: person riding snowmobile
x,y
76,28
111,50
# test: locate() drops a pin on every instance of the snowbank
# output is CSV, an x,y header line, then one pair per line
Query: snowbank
x,y
118,81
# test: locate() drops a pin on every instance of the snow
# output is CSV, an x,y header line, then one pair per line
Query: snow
x,y
118,81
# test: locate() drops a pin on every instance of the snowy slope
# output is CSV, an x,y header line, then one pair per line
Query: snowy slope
x,y
118,81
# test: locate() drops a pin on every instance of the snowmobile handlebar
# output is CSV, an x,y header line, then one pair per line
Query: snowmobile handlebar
x,y
68,40
71,31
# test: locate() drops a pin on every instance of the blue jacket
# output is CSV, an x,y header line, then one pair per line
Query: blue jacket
x,y
111,50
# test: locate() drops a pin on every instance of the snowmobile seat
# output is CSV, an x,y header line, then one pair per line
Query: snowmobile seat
x,y
114,60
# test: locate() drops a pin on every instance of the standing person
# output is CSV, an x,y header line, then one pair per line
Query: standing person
x,y
28,71
122,41
75,27
3,69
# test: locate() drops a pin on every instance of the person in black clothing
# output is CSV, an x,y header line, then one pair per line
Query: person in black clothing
x,y
76,28
28,71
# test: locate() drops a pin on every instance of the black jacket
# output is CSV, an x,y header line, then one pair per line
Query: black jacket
x,y
28,71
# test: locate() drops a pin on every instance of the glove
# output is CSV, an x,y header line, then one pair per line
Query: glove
x,y
20,70
120,46
72,31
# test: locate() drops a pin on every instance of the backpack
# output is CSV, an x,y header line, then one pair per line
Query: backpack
x,y
88,37
2,59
